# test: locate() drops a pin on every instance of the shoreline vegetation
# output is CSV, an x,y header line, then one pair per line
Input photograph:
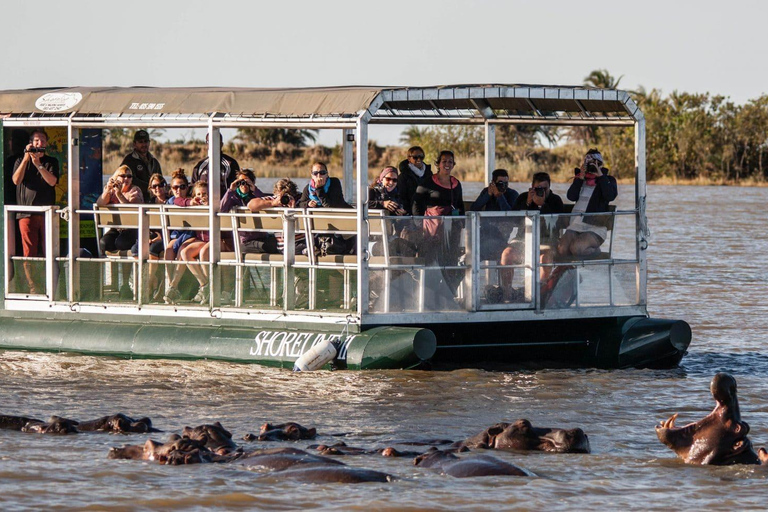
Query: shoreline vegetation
x,y
691,139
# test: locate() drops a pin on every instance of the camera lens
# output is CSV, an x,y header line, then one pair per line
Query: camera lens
x,y
592,168
501,185
285,200
539,191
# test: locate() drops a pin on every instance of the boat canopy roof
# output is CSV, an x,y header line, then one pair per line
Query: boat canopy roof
x,y
449,103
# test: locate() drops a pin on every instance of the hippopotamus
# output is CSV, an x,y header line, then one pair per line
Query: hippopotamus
x,y
214,437
15,422
478,465
286,432
718,439
282,458
334,474
56,425
178,450
341,448
119,424
521,435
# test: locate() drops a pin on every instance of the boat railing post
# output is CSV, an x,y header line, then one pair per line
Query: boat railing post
x,y
73,228
142,295
52,251
362,213
473,272
289,258
214,198
533,258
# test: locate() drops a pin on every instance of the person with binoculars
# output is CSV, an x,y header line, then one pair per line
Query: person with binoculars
x,y
35,175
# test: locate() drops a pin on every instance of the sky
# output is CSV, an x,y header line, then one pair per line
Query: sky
x,y
693,46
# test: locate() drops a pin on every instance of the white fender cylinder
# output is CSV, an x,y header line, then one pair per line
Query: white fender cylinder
x,y
314,358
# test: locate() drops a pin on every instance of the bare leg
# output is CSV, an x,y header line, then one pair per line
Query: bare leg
x,y
190,253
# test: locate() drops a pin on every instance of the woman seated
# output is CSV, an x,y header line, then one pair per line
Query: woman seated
x,y
158,194
384,195
178,237
119,190
592,190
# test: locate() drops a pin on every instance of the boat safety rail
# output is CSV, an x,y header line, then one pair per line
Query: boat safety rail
x,y
39,275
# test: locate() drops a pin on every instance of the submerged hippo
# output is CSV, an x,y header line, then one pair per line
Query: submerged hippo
x,y
286,432
214,437
720,438
178,450
478,465
119,424
15,422
521,435
56,425
341,448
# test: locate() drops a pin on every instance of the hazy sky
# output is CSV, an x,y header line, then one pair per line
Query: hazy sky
x,y
693,46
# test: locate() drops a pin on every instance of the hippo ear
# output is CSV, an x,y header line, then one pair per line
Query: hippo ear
x,y
173,437
312,432
265,427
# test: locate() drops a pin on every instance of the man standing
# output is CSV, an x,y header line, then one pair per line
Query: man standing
x,y
35,175
229,169
141,162
413,172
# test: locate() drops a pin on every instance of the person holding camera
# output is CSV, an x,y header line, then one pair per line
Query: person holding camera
x,y
592,189
285,194
494,232
119,190
539,197
35,175
228,168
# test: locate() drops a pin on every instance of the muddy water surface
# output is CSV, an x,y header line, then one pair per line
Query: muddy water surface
x,y
708,270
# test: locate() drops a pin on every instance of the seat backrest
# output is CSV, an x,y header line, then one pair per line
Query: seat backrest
x,y
332,221
116,216
190,217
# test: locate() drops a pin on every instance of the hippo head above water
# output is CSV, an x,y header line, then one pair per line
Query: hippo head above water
x,y
720,438
521,435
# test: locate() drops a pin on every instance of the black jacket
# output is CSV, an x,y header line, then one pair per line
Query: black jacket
x,y
408,183
606,190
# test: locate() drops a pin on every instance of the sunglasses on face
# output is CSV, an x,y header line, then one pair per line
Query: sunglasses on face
x,y
418,157
319,173
179,187
159,185
393,180
125,176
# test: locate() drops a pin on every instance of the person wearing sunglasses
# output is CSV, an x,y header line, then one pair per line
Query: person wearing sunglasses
x,y
142,163
322,190
119,190
413,171
158,194
383,193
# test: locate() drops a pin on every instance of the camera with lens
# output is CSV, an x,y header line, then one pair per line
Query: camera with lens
x,y
501,186
540,191
591,168
35,150
285,200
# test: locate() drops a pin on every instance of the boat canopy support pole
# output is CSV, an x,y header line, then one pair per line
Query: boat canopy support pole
x,y
642,221
348,159
214,199
362,213
490,150
73,228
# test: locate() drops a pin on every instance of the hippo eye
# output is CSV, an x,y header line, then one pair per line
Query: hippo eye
x,y
738,445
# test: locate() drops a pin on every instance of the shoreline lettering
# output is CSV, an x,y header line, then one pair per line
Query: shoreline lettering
x,y
292,344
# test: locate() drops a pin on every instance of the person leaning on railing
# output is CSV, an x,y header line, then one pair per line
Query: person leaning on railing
x,y
119,190
592,189
35,175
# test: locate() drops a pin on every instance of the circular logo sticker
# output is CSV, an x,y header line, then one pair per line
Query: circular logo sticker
x,y
58,101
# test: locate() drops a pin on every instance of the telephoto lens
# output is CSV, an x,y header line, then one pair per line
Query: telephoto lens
x,y
285,200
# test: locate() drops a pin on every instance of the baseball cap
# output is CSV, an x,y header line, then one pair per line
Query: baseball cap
x,y
140,135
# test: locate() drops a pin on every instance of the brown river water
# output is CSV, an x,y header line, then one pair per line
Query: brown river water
x,y
708,269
